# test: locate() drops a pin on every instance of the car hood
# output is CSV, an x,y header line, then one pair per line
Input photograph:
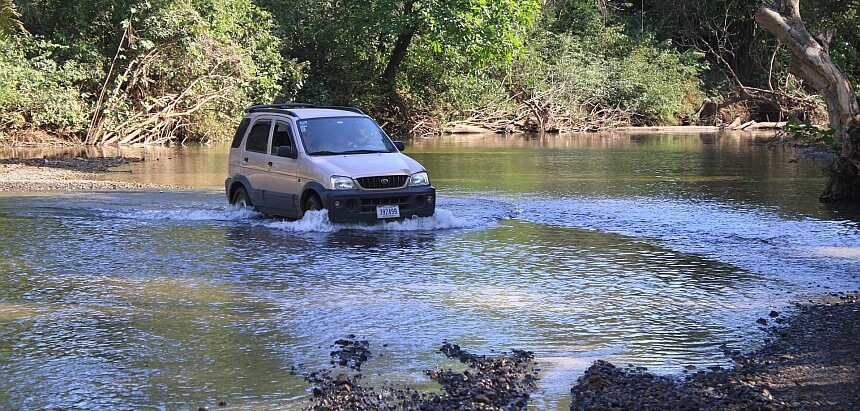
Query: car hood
x,y
366,165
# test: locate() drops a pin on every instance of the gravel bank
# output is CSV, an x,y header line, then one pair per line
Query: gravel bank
x,y
65,174
811,363
491,383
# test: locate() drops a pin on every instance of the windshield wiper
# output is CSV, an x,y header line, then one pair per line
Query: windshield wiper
x,y
365,151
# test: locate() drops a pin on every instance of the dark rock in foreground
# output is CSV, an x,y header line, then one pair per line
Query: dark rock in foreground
x,y
491,383
811,364
606,387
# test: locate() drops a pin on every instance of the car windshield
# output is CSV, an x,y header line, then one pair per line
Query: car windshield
x,y
343,135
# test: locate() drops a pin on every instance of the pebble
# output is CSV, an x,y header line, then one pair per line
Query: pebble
x,y
492,383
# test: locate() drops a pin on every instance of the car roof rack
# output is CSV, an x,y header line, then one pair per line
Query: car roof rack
x,y
345,108
287,106
281,106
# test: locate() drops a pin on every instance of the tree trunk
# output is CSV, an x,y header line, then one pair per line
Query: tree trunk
x,y
811,62
401,45
397,56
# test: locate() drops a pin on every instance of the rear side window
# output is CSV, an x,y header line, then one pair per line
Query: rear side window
x,y
258,139
240,132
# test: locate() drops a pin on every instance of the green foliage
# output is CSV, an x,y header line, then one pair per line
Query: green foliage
x,y
191,65
482,30
654,82
10,23
348,47
807,133
573,16
600,68
37,92
195,64
841,15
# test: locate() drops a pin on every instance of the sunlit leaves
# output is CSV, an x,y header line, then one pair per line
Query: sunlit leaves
x,y
153,55
808,133
349,45
10,23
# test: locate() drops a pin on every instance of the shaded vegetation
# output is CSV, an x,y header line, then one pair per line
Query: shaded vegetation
x,y
109,71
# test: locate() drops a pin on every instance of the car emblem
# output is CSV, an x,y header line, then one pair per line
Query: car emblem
x,y
384,181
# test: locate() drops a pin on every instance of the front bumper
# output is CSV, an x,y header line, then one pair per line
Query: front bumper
x,y
348,206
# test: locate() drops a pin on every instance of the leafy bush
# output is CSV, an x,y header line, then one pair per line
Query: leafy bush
x,y
186,69
154,70
600,68
38,92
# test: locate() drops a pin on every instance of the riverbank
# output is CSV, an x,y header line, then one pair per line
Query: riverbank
x,y
66,174
811,362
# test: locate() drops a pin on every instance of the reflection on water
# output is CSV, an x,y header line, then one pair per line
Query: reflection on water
x,y
652,249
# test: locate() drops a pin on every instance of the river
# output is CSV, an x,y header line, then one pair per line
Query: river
x,y
654,249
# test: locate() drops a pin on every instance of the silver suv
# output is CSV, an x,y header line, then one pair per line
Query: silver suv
x,y
290,158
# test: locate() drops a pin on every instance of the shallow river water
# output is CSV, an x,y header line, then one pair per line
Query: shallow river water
x,y
659,250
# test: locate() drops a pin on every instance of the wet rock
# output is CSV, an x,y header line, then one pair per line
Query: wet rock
x,y
821,343
351,353
501,382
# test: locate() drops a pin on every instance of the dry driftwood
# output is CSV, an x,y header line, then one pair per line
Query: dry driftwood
x,y
536,116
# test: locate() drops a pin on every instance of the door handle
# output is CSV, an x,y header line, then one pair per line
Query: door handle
x,y
245,160
269,163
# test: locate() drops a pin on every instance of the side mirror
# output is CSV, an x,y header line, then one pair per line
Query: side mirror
x,y
399,145
287,151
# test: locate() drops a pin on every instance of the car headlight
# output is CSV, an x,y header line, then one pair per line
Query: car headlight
x,y
342,183
419,179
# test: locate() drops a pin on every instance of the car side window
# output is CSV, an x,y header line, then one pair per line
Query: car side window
x,y
258,138
283,136
240,132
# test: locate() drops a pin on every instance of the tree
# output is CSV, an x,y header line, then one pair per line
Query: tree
x,y
482,29
183,69
140,71
720,29
841,15
10,19
810,61
351,44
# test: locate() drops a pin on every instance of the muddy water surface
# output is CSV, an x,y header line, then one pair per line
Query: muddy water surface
x,y
659,250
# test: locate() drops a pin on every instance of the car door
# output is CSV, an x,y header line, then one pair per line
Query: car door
x,y
281,187
254,163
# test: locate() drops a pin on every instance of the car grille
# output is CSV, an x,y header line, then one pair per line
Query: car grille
x,y
369,204
381,182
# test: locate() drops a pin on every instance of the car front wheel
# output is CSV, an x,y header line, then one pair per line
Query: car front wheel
x,y
313,203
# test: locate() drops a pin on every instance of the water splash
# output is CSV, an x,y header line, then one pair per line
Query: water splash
x,y
317,221
227,213
313,221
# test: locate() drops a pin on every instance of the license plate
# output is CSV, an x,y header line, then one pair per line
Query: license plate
x,y
387,211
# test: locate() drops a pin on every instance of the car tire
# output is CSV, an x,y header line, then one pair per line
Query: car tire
x,y
313,203
241,199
